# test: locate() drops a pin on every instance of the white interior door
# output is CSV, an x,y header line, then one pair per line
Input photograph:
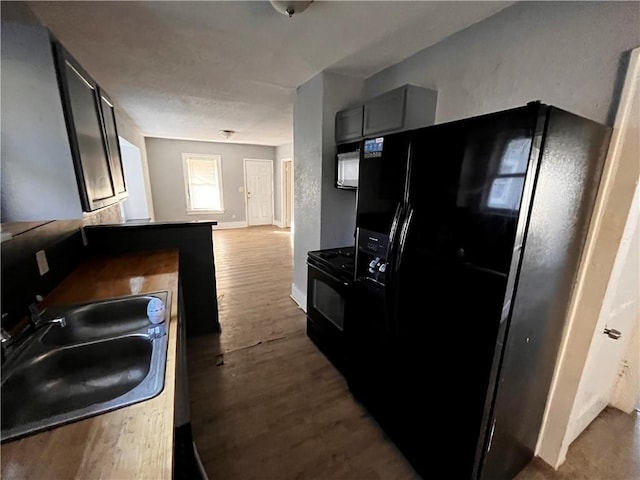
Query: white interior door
x,y
259,191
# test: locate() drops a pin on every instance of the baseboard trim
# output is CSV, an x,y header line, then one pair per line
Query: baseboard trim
x,y
299,297
224,225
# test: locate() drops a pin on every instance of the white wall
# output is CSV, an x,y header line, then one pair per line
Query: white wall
x,y
569,54
167,178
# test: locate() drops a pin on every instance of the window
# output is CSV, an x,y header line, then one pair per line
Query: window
x,y
507,185
203,183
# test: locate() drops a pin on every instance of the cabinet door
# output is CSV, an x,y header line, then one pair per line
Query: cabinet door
x,y
86,136
385,113
113,144
349,124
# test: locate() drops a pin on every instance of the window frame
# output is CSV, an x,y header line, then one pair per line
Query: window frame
x,y
213,157
497,175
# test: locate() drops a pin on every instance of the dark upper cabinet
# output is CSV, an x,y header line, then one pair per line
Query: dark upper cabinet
x,y
38,181
113,145
349,124
92,134
385,113
404,108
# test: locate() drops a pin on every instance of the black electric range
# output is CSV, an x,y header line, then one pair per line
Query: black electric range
x,y
329,284
338,261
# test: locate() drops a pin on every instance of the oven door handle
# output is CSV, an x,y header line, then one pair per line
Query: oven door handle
x,y
330,275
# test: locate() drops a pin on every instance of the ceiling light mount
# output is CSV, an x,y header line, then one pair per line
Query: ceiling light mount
x,y
226,133
290,7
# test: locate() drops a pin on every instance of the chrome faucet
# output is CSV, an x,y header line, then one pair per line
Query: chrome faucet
x,y
7,342
11,343
36,318
5,338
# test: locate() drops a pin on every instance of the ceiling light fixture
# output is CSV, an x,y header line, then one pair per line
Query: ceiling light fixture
x,y
289,7
226,133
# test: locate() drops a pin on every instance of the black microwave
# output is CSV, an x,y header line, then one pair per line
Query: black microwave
x,y
347,166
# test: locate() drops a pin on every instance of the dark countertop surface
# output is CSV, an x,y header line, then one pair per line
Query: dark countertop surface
x,y
147,224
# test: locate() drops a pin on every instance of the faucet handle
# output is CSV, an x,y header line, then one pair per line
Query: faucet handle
x,y
34,308
35,312
4,335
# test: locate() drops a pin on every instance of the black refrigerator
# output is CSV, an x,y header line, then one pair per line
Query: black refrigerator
x,y
468,238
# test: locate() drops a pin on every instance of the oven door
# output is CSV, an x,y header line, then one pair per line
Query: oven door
x,y
326,297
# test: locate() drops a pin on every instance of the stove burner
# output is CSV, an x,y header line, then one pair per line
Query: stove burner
x,y
348,266
339,261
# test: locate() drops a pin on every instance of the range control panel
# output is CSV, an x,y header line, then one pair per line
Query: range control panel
x,y
372,256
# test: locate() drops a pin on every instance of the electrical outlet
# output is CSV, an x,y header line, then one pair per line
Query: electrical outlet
x,y
241,189
43,264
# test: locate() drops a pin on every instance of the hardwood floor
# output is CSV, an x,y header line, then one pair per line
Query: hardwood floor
x,y
266,404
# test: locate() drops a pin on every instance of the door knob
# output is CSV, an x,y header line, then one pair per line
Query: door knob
x,y
612,333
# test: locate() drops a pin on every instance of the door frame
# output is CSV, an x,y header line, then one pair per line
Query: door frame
x,y
610,214
283,196
246,199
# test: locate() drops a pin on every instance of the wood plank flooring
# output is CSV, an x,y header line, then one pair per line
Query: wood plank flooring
x,y
266,404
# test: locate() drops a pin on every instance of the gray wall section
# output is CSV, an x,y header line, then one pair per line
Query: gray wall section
x,y
282,151
338,206
17,12
324,216
569,54
167,180
307,173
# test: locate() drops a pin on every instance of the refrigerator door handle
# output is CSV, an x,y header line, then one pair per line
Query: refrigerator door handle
x,y
404,231
391,254
393,233
393,300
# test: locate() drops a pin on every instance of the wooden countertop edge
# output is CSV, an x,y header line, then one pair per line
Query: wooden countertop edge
x,y
131,442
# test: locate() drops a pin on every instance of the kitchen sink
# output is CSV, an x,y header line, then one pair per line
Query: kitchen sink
x,y
104,319
111,357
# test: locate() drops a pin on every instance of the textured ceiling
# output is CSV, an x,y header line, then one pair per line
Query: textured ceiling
x,y
188,69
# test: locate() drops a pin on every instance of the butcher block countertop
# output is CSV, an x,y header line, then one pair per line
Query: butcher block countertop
x,y
131,442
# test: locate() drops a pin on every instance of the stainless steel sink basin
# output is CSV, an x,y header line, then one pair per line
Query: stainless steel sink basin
x,y
62,377
104,319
